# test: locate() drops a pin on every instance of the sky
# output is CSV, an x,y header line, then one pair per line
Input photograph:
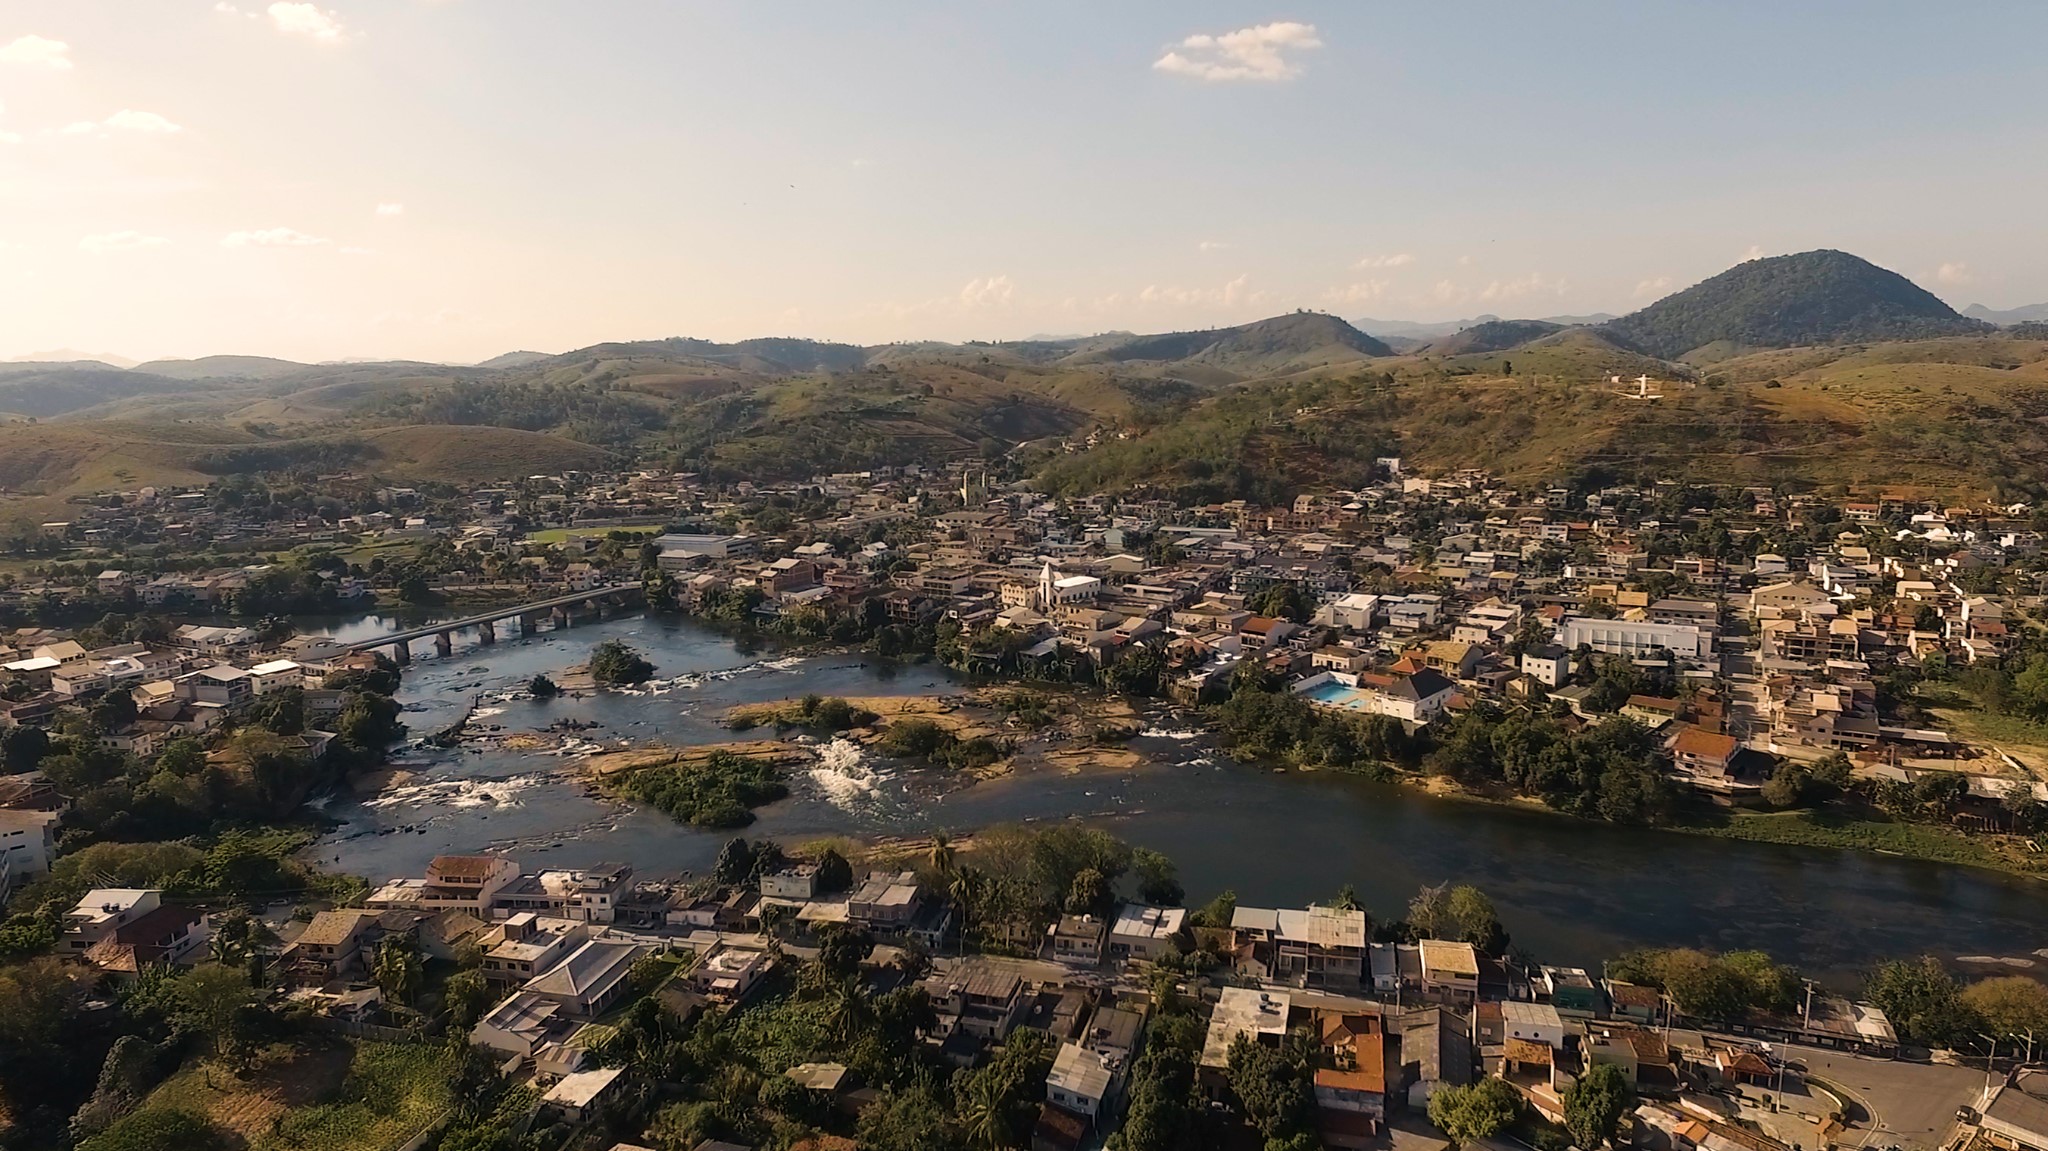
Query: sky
x,y
452,179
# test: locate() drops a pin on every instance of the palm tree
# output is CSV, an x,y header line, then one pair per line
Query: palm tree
x,y
848,1012
984,1111
964,889
941,856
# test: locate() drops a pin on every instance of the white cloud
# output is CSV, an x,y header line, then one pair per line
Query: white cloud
x,y
1397,260
148,123
10,137
126,120
1229,295
1361,292
299,19
1953,274
388,209
119,242
1211,246
1256,53
1653,288
987,292
1495,291
37,51
1532,284
271,238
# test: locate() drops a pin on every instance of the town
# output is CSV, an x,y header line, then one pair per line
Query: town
x,y
1660,654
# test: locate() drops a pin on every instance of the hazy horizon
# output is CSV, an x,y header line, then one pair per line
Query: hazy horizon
x,y
451,180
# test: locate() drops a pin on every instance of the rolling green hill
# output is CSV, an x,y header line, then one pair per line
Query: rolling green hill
x,y
1259,410
1303,340
1960,415
1822,297
1494,336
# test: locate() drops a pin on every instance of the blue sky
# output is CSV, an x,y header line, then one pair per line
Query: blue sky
x,y
449,179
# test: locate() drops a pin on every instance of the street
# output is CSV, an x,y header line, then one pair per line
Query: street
x,y
1911,1104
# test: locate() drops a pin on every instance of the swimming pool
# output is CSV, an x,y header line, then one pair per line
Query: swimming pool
x,y
1335,694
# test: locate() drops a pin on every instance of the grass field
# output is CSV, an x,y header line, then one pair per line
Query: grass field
x,y
561,535
319,1096
1912,840
2023,739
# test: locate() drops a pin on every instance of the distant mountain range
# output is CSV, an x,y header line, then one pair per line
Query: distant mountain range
x,y
73,356
2029,314
1412,330
1890,385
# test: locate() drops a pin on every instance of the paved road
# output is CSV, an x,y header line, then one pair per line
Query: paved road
x,y
1912,1104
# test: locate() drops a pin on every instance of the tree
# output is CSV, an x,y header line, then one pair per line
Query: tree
x,y
1829,776
127,1075
467,995
1429,913
1158,879
735,862
398,970
835,874
1273,1087
614,663
1922,1000
1594,1106
1480,1111
2011,1006
1472,920
541,687
1089,893
906,1120
218,1004
983,1105
235,938
941,854
1786,787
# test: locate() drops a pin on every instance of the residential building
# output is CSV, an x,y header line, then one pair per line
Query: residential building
x,y
1143,933
1080,1081
1450,971
1636,638
590,979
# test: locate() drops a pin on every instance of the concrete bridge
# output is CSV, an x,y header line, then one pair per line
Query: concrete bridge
x,y
558,610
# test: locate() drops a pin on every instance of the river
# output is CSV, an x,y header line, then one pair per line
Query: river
x,y
1569,891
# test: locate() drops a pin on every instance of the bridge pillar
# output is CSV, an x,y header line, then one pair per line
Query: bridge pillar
x,y
528,624
596,608
487,633
401,653
560,618
444,644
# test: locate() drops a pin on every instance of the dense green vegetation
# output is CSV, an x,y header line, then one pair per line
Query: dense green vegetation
x,y
1609,771
721,790
615,663
1820,297
1713,988
596,413
924,739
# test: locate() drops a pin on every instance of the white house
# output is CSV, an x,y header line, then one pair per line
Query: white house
x,y
1080,1080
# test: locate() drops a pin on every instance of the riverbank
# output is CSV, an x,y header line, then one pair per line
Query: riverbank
x,y
1798,827
1277,838
1809,828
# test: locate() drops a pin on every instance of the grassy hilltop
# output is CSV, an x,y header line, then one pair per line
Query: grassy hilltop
x,y
1814,369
